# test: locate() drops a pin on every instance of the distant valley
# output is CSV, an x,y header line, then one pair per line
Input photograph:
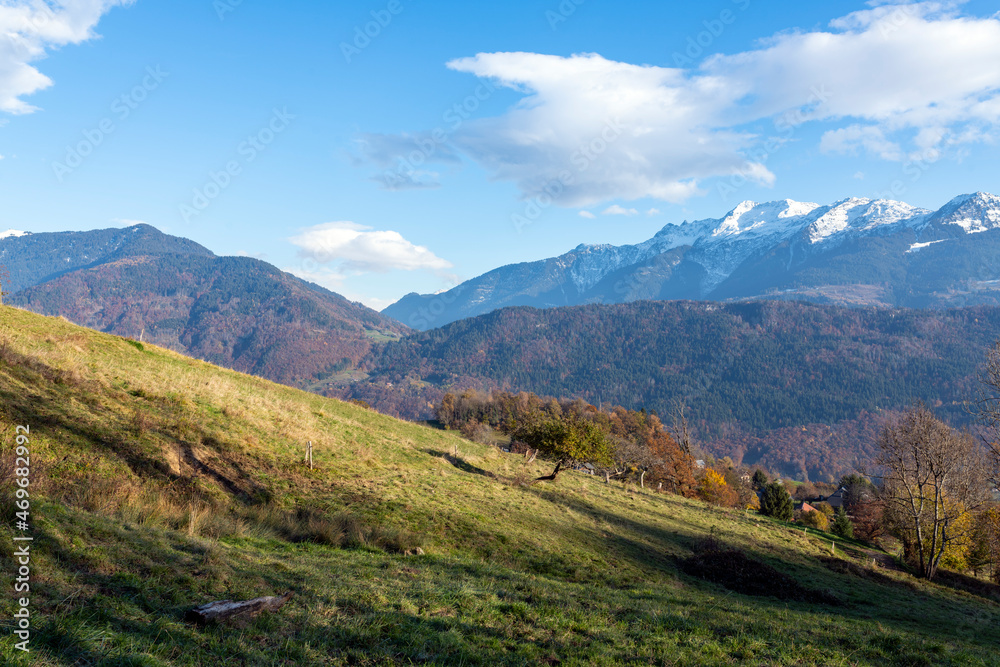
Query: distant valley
x,y
796,387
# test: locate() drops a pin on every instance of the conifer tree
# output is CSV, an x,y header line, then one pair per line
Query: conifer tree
x,y
842,526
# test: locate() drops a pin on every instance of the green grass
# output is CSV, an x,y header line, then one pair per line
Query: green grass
x,y
166,483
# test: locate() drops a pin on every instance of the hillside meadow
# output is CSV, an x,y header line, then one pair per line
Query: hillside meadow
x,y
160,483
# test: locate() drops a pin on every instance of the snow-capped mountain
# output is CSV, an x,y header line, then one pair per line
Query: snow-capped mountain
x,y
853,251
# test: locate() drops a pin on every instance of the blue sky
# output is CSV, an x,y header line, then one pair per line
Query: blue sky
x,y
389,146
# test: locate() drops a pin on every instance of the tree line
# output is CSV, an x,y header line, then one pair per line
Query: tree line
x,y
932,488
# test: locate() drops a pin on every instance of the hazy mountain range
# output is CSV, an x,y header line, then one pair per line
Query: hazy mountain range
x,y
793,386
854,252
237,312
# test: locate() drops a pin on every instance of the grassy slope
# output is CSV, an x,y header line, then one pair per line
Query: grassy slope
x,y
168,482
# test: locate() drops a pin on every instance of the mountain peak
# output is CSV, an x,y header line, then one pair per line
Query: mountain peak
x,y
777,249
13,233
973,213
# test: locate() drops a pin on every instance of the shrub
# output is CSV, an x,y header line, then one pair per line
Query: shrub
x,y
713,489
815,519
776,502
825,508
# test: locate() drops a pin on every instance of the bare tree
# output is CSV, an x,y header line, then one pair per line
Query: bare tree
x,y
679,426
932,478
988,409
629,457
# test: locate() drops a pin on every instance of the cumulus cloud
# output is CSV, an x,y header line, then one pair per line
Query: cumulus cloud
x,y
887,81
869,138
619,210
359,248
31,28
587,214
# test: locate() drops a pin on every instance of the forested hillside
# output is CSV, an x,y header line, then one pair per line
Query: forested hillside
x,y
158,483
792,384
237,312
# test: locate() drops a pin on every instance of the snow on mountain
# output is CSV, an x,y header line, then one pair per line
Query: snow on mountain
x,y
973,213
10,233
722,244
920,246
759,241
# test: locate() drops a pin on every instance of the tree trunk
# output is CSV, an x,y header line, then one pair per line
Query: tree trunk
x,y
642,484
552,477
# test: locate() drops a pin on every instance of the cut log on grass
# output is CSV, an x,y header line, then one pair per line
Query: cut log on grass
x,y
220,610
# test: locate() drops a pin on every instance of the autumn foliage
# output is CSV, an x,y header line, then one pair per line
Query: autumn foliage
x,y
622,444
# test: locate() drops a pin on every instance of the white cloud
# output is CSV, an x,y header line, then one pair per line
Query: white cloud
x,y
886,81
860,175
29,30
603,129
587,214
360,248
653,211
868,137
619,210
897,68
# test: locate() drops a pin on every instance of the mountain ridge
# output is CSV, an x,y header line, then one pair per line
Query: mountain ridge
x,y
785,243
237,312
